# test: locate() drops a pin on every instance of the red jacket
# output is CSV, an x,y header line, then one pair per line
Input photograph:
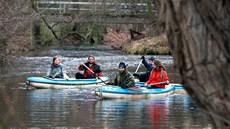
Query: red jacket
x,y
94,67
155,78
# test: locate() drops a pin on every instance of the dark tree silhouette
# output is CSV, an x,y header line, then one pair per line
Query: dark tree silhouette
x,y
198,32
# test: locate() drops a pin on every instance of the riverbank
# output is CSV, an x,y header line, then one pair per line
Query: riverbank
x,y
157,45
143,46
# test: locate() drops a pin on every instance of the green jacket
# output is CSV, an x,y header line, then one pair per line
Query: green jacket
x,y
124,80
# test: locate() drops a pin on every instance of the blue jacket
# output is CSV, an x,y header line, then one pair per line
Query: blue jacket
x,y
148,66
55,71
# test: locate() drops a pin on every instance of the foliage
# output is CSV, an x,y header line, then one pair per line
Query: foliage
x,y
15,18
94,26
46,37
64,28
155,45
3,126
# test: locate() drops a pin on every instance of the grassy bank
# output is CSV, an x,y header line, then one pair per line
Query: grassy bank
x,y
150,45
157,45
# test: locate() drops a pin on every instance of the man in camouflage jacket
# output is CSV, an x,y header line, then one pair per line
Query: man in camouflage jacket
x,y
124,78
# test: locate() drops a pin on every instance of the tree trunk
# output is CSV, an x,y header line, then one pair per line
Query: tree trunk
x,y
3,52
198,33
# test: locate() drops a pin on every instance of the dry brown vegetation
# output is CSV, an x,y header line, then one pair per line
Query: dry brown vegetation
x,y
143,44
115,38
149,45
14,24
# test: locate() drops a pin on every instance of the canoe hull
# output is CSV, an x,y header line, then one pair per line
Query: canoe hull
x,y
132,96
56,86
115,92
48,83
179,89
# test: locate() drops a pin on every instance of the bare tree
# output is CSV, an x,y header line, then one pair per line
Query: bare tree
x,y
198,34
88,18
15,17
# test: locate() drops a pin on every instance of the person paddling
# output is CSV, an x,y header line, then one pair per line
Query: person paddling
x,y
143,77
91,64
158,77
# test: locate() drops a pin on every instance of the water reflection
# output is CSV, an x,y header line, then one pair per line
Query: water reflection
x,y
157,112
108,60
80,108
61,108
151,113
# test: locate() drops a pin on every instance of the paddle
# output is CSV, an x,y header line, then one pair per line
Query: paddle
x,y
132,89
138,66
136,89
158,83
94,73
164,82
97,77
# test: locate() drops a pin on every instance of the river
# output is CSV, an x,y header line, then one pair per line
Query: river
x,y
80,108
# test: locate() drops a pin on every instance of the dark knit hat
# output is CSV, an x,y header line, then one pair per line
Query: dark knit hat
x,y
122,65
152,58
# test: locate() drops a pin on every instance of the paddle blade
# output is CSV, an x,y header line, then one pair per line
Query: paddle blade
x,y
135,89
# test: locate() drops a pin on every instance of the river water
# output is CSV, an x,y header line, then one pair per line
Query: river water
x,y
80,108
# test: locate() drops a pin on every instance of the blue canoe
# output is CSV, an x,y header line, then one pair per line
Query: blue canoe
x,y
116,92
178,87
41,82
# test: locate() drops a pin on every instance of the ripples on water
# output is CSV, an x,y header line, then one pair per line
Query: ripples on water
x,y
71,59
80,108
